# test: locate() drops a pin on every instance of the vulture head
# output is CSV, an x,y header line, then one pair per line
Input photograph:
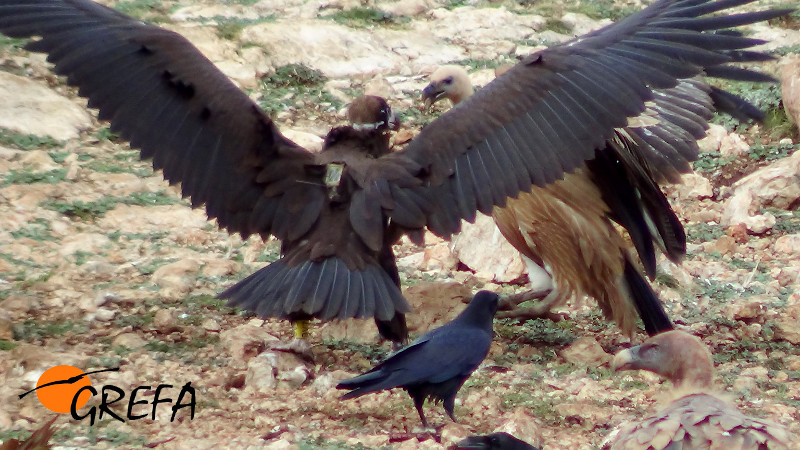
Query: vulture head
x,y
372,112
675,355
371,122
448,82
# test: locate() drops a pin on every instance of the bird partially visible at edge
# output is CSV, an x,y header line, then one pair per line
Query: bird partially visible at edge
x,y
494,441
437,364
339,211
696,417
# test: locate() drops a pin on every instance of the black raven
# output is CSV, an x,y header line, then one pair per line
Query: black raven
x,y
495,441
437,364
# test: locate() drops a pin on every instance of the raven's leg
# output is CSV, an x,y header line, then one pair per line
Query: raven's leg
x,y
449,405
418,401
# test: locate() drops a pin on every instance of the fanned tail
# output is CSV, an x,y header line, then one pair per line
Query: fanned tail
x,y
324,290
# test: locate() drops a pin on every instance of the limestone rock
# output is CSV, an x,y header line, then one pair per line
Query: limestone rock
x,y
267,369
38,160
776,185
210,325
482,248
335,50
128,340
220,267
29,107
787,324
245,341
788,244
586,351
179,274
435,304
521,424
581,23
138,219
486,33
694,186
746,309
165,320
407,8
719,139
422,50
261,373
309,141
84,242
6,326
358,330
790,86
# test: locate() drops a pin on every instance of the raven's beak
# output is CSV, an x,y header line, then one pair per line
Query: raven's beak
x,y
473,442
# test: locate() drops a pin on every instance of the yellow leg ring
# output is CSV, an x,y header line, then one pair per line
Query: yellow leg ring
x,y
301,329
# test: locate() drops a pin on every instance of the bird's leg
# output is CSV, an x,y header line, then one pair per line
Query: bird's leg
x,y
299,344
418,401
512,301
449,404
541,310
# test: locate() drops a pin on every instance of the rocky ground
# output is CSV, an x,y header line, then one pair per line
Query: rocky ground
x,y
103,265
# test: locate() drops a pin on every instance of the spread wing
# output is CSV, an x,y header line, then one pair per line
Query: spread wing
x,y
166,98
549,113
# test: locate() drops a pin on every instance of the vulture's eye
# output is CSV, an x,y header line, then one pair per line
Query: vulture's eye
x,y
649,350
448,80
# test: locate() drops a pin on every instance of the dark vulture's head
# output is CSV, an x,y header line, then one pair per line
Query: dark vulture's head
x,y
451,82
370,112
675,355
371,123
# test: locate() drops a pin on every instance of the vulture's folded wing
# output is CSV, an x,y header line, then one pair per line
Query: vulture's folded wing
x,y
700,421
166,98
549,113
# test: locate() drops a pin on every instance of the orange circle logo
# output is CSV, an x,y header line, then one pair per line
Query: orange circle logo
x,y
58,385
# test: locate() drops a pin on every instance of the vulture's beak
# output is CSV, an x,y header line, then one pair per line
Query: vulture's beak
x,y
431,94
625,360
393,122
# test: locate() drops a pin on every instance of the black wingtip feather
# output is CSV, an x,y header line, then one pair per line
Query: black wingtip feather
x,y
647,304
735,106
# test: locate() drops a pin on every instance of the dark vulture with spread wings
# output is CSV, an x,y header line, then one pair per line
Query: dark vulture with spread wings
x,y
338,212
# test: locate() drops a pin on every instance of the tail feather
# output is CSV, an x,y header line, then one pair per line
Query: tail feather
x,y
619,194
325,290
647,304
373,381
